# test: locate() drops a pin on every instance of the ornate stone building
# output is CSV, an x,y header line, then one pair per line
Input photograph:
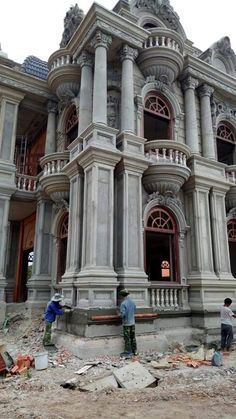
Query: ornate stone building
x,y
117,168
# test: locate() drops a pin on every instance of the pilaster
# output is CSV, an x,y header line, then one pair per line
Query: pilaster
x,y
39,285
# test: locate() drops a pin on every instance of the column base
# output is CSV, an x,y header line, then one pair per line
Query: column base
x,y
39,290
137,284
96,288
3,285
2,312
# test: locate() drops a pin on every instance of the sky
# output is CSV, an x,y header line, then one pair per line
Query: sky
x,y
30,27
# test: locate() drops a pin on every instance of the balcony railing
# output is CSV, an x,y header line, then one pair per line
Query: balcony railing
x,y
61,61
53,164
164,38
230,173
165,151
26,183
167,297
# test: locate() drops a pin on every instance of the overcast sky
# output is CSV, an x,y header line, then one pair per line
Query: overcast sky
x,y
30,27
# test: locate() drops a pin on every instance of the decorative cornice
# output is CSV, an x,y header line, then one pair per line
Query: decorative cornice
x,y
101,40
128,53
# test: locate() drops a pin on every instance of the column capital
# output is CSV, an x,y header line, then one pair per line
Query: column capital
x,y
85,59
205,90
52,107
128,53
101,40
189,83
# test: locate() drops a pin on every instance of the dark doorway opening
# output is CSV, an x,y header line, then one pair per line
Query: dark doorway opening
x,y
232,253
26,273
160,263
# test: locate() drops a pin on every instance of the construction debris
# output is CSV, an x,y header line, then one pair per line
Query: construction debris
x,y
134,375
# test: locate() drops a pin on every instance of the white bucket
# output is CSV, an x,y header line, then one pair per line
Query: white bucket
x,y
41,360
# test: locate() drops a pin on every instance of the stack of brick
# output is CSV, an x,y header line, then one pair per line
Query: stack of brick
x,y
22,364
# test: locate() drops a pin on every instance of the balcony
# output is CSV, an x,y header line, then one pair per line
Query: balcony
x,y
63,71
162,55
168,297
168,169
230,173
54,182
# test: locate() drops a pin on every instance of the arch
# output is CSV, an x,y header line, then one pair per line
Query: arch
x,y
165,92
161,246
67,123
173,205
225,142
62,246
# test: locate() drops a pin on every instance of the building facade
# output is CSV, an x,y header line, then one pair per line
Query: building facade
x,y
118,169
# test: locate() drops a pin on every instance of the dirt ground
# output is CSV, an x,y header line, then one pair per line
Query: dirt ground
x,y
182,392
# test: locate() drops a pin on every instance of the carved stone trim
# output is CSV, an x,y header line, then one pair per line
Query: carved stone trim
x,y
205,90
52,107
128,53
165,200
61,141
85,58
189,83
101,40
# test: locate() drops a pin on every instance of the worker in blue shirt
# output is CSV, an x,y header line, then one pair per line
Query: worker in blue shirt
x,y
53,310
127,312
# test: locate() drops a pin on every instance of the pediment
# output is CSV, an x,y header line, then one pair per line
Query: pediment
x,y
221,56
161,9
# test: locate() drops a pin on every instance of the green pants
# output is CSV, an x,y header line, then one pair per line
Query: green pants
x,y
129,338
47,333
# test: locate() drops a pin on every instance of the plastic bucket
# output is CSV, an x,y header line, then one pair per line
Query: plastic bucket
x,y
41,360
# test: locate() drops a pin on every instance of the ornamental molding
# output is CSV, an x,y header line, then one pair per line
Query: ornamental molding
x,y
190,83
205,90
61,206
25,87
73,18
101,40
231,214
61,141
128,53
52,107
219,108
85,59
124,36
166,200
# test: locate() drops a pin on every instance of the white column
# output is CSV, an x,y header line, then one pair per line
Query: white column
x,y
189,85
86,90
50,146
100,42
128,55
208,142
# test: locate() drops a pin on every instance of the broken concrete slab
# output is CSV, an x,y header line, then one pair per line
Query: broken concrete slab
x,y
161,365
99,383
134,375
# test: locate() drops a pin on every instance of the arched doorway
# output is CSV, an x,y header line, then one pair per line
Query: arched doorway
x,y
231,227
161,246
71,127
62,247
157,118
225,141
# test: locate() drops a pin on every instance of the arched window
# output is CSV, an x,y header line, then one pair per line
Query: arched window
x,y
231,227
62,247
225,140
157,118
72,126
161,246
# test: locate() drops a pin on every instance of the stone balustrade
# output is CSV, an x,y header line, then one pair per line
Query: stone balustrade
x,y
230,173
60,61
166,296
166,151
26,183
164,38
53,164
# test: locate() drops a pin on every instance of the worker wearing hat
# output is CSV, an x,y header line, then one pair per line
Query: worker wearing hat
x,y
54,309
127,311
